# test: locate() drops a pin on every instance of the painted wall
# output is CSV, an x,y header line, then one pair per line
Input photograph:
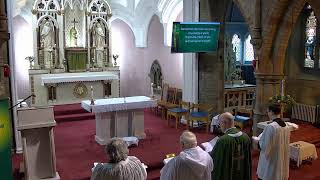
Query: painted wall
x,y
135,63
22,34
303,83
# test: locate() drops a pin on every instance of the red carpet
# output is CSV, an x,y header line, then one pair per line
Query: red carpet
x,y
76,149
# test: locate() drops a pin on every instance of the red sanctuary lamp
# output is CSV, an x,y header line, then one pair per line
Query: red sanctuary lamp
x,y
6,70
254,64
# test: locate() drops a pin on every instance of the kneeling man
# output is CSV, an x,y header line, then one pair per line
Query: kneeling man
x,y
232,153
192,163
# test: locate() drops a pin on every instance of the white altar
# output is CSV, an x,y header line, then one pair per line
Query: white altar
x,y
67,88
72,52
119,117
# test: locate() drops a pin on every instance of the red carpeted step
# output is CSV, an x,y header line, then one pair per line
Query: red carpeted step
x,y
74,117
68,109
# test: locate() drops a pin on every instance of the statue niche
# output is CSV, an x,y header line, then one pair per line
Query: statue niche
x,y
47,44
99,44
156,76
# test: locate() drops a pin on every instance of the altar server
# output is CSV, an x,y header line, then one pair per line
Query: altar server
x,y
274,147
192,163
232,152
120,166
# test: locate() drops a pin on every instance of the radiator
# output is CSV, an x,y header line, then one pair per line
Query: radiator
x,y
304,112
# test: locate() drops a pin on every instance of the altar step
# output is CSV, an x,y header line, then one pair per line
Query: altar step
x,y
71,112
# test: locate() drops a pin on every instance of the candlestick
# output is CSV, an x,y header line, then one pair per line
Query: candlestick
x,y
282,87
92,100
151,89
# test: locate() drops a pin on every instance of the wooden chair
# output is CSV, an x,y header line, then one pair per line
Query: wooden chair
x,y
178,112
244,119
164,96
202,113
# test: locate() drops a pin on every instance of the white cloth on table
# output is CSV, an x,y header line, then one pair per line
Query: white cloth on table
x,y
129,169
208,146
131,140
301,150
274,155
119,104
214,122
191,164
76,77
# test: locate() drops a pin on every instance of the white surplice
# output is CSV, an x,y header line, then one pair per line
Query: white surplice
x,y
191,164
274,155
129,169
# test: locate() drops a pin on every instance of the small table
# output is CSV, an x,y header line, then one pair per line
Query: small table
x,y
301,150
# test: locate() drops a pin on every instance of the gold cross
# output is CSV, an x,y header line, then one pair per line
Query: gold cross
x,y
74,22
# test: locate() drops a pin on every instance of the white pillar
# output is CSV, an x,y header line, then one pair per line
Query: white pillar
x,y
14,92
190,60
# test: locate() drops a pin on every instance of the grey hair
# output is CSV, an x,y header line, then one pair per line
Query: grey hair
x,y
188,139
117,150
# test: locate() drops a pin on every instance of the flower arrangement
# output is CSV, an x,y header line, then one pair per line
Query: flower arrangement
x,y
286,101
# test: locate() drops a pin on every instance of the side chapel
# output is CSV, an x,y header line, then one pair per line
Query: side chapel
x,y
73,58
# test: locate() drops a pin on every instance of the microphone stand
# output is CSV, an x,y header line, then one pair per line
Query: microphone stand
x,y
32,95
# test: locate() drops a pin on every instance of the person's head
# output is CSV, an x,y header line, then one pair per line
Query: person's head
x,y
274,110
117,150
188,140
226,121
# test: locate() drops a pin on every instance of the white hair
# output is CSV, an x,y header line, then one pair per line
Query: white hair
x,y
188,139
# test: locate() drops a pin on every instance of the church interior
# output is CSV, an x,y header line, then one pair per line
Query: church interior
x,y
76,73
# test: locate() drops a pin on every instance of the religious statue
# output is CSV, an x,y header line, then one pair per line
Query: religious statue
x,y
99,43
99,40
229,59
73,34
47,43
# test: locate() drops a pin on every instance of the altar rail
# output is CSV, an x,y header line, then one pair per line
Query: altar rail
x,y
239,97
304,112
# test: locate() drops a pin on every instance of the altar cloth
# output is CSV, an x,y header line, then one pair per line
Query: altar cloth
x,y
76,77
119,104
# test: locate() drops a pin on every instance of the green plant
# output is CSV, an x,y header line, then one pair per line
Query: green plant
x,y
286,101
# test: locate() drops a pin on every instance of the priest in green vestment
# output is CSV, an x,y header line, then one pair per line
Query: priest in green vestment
x,y
232,153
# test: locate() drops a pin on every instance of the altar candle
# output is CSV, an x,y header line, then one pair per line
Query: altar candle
x,y
151,89
282,87
91,92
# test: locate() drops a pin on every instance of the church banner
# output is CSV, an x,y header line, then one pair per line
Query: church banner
x,y
5,140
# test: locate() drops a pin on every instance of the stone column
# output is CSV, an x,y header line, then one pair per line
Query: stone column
x,y
190,60
4,35
268,85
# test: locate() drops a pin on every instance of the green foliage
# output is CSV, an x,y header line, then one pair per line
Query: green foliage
x,y
286,101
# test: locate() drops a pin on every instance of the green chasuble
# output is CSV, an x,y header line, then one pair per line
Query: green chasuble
x,y
232,156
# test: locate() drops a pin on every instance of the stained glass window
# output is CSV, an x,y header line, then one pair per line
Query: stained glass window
x,y
311,30
248,50
236,45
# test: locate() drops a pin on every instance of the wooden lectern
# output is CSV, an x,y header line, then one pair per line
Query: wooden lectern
x,y
36,126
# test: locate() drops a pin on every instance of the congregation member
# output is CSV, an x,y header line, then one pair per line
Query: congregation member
x,y
120,166
232,152
192,163
274,147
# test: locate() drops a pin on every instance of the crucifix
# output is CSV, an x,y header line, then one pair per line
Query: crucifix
x,y
238,157
73,34
74,22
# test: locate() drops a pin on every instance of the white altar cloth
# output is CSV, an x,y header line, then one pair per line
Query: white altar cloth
x,y
77,77
119,104
119,117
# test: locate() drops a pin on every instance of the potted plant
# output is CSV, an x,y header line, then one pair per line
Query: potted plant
x,y
286,102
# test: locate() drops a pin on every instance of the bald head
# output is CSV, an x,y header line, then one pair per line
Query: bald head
x,y
226,121
188,140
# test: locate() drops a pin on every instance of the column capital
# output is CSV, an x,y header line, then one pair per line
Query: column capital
x,y
270,78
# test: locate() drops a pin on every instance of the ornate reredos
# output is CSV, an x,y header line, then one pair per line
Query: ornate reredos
x,y
78,15
74,22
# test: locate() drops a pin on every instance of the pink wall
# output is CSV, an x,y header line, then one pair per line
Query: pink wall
x,y
135,63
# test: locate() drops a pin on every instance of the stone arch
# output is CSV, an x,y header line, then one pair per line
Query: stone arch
x,y
278,31
156,74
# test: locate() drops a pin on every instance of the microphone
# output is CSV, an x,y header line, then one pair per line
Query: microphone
x,y
32,95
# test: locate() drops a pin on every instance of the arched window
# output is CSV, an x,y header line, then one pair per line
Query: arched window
x,y
236,45
248,51
310,41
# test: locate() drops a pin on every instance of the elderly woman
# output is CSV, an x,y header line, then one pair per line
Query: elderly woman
x,y
120,166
